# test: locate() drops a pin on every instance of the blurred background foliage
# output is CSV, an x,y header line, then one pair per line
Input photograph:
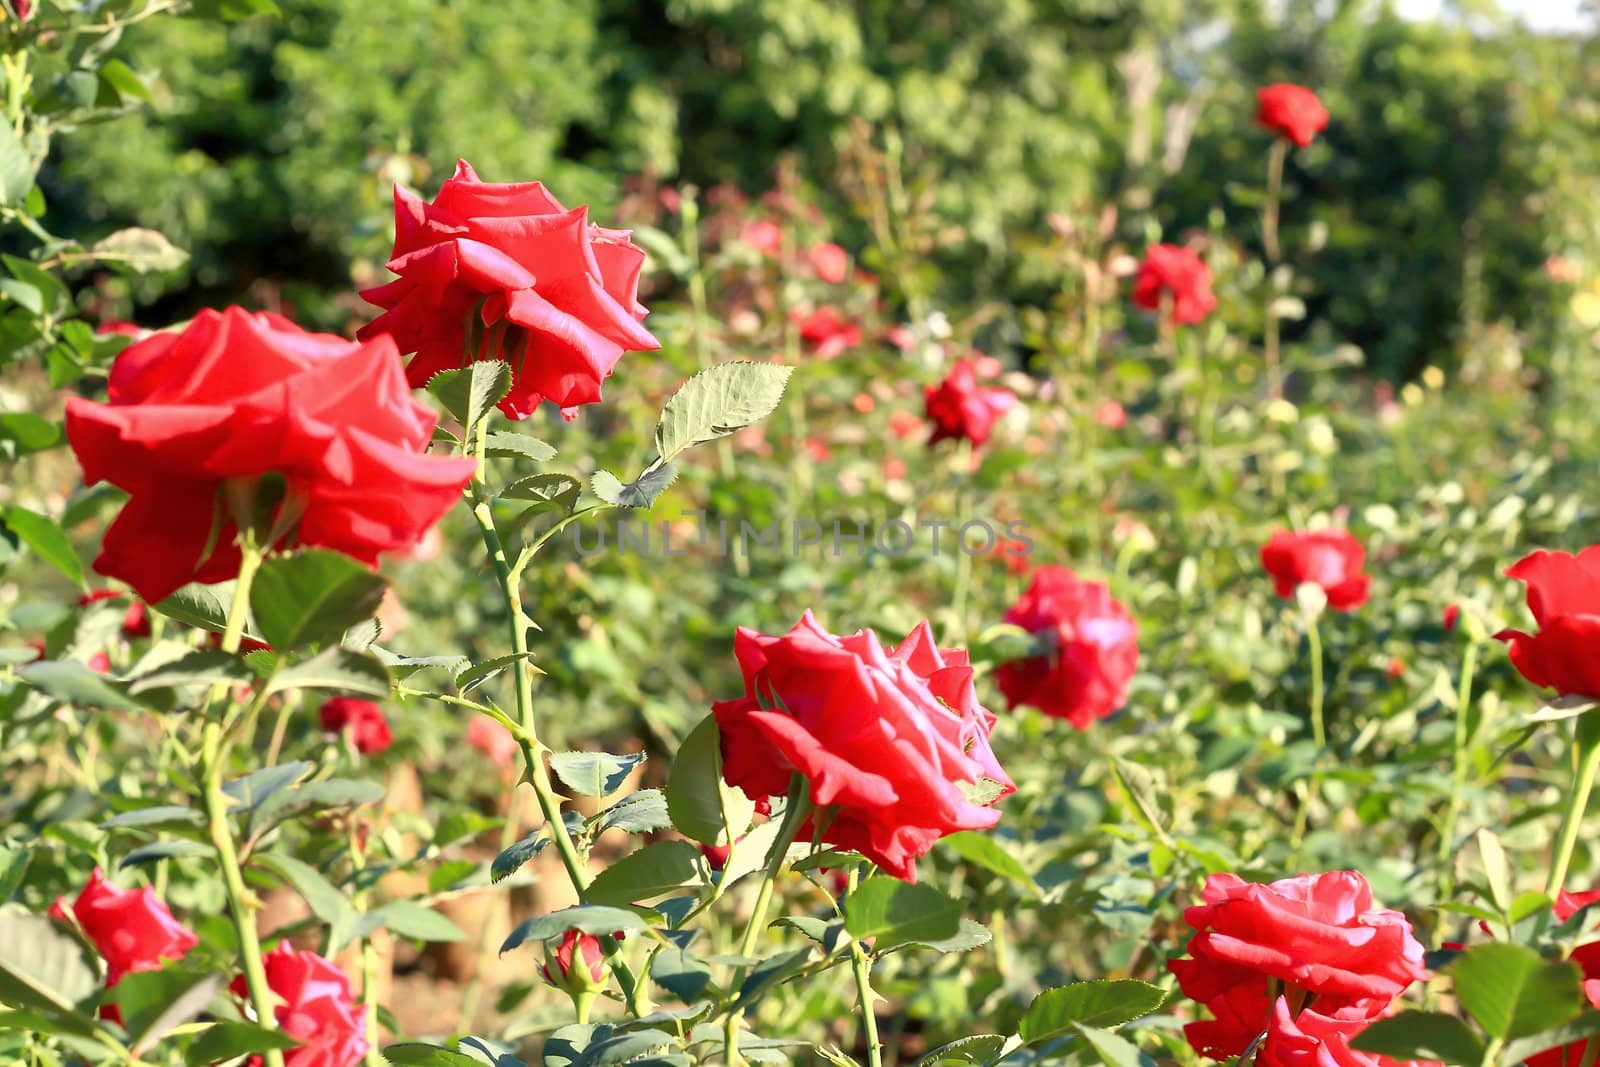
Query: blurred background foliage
x,y
1460,155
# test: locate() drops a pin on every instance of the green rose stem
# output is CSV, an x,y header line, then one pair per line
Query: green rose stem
x,y
958,600
1586,760
862,967
1458,771
794,816
1269,241
525,728
1319,733
213,762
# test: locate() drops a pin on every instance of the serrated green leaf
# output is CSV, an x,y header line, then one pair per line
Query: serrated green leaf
x,y
1421,1035
895,912
201,667
335,668
1512,992
718,401
697,797
508,444
655,869
43,965
225,1041
469,393
594,774
312,597
411,919
1055,1012
73,683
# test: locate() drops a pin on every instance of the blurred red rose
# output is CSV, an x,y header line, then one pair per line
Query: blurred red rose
x,y
1292,111
903,424
827,334
119,326
369,730
1330,558
238,395
1014,554
886,738
1452,616
829,262
1111,415
131,928
960,409
1314,939
1095,649
1564,596
1179,273
493,270
493,740
316,1008
764,235
100,663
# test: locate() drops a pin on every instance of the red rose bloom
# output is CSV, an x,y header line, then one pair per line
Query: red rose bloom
x,y
960,409
502,271
1317,935
317,1009
764,235
1292,111
1312,1039
829,262
1330,558
1452,617
1564,596
493,740
827,334
1094,655
369,730
237,395
886,738
131,928
1178,272
561,968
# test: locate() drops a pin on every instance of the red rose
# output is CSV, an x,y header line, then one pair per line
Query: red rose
x,y
1014,554
1291,110
960,409
1564,596
1312,1039
561,963
495,270
1094,655
829,262
1452,616
827,334
1178,272
886,738
317,1009
369,730
1111,415
764,235
493,740
1331,558
1315,936
238,395
131,928
119,326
